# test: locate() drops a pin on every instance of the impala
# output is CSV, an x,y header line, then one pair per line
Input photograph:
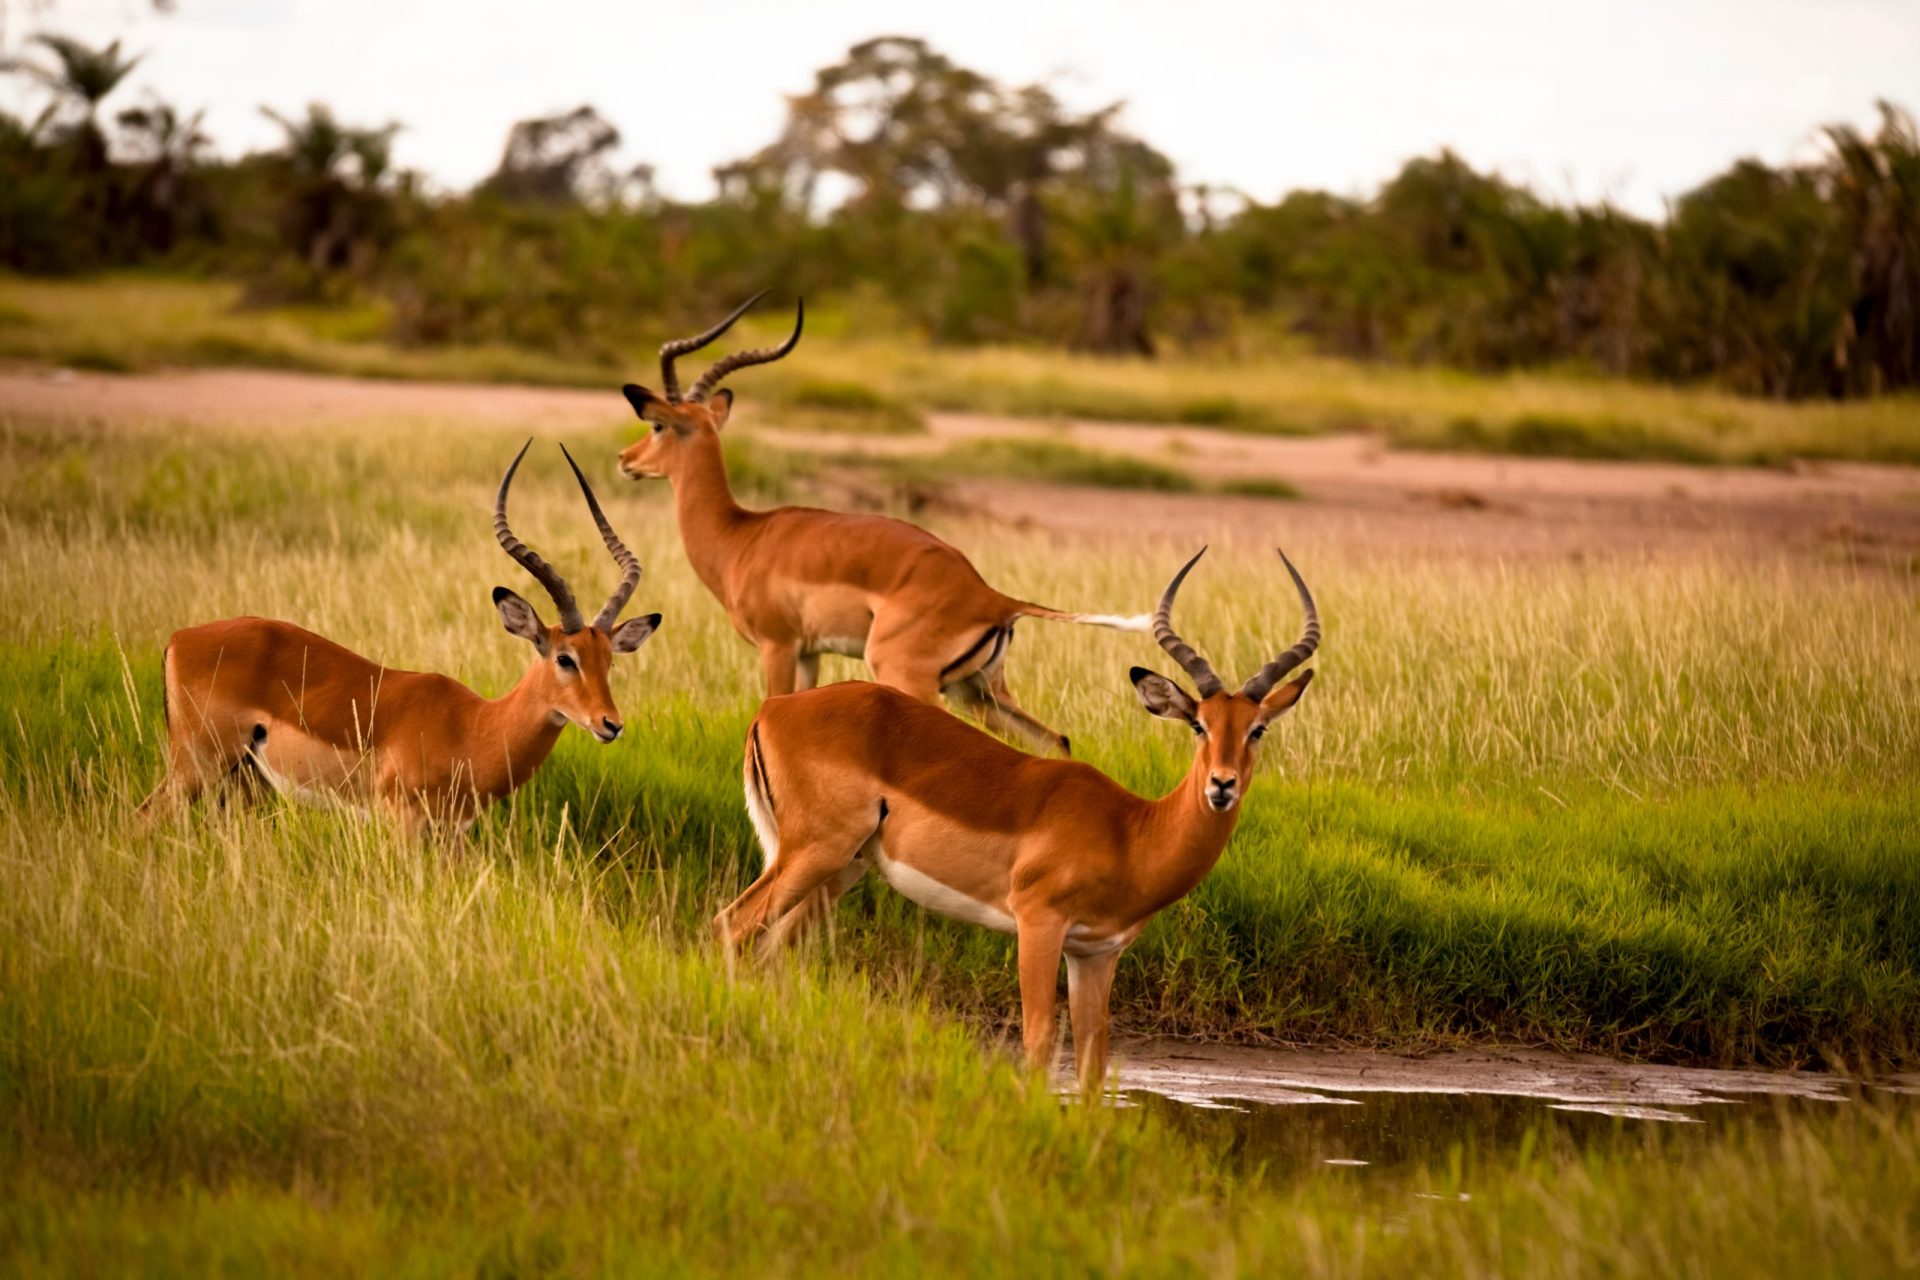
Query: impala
x,y
255,699
799,582
855,777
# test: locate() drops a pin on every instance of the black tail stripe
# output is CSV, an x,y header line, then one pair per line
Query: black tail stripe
x,y
760,770
992,634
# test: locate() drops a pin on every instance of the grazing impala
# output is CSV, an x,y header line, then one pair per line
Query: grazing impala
x,y
799,582
254,699
857,776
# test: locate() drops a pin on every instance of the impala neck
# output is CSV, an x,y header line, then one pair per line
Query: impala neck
x,y
704,506
1186,837
524,726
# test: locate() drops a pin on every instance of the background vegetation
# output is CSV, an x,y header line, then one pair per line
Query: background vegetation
x,y
927,197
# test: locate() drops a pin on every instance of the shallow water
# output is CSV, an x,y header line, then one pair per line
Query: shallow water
x,y
1276,1113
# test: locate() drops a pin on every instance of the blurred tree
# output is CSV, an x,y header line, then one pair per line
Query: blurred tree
x,y
1875,184
81,79
166,149
338,208
562,159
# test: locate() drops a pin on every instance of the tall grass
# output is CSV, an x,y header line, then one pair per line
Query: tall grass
x,y
270,1042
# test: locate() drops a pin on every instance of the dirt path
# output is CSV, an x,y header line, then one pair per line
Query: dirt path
x,y
1354,491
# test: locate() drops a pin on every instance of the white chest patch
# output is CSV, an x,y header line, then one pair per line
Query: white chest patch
x,y
1081,941
918,886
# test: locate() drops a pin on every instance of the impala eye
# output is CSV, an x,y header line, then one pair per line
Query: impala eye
x,y
567,663
1199,729
1259,732
658,427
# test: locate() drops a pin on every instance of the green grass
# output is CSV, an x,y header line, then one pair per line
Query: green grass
x,y
886,385
1659,806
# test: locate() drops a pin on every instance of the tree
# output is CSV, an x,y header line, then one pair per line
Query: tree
x,y
81,79
166,147
1875,185
338,207
562,159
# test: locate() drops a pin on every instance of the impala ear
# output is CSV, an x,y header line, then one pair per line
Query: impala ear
x,y
1280,700
1162,696
721,407
520,619
633,633
639,397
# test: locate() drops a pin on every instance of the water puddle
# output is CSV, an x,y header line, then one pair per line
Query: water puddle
x,y
1290,1110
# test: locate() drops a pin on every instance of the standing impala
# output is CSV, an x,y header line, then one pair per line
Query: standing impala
x,y
310,718
857,776
799,582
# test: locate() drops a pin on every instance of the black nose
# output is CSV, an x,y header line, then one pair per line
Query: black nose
x,y
612,728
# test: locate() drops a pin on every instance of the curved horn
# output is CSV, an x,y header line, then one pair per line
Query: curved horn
x,y
1271,674
628,562
682,346
1206,684
523,555
741,359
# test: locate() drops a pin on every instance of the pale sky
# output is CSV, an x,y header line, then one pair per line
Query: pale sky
x,y
1637,100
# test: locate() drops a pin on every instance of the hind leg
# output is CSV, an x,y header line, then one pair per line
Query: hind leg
x,y
984,696
794,875
794,926
203,753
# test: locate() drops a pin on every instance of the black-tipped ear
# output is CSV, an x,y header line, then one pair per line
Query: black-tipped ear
x,y
519,619
633,633
1162,696
639,397
721,407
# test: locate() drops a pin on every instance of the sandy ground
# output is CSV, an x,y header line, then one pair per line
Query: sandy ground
x,y
1354,491
1357,492
1219,1074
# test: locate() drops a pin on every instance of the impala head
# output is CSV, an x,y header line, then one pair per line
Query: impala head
x,y
576,657
1229,725
676,422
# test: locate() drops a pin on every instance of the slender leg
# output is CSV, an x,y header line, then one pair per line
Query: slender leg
x,y
815,907
806,672
779,659
1089,988
987,700
1040,940
783,886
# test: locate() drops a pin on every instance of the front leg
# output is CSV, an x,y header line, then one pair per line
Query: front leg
x,y
807,672
1039,941
780,660
1089,993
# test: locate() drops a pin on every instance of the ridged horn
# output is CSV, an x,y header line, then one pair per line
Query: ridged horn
x,y
669,383
628,562
524,556
1206,684
1264,679
742,359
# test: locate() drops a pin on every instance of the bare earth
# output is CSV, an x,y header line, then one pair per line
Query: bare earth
x,y
1355,492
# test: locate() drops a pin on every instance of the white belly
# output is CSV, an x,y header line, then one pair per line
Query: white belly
x,y
845,646
917,885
